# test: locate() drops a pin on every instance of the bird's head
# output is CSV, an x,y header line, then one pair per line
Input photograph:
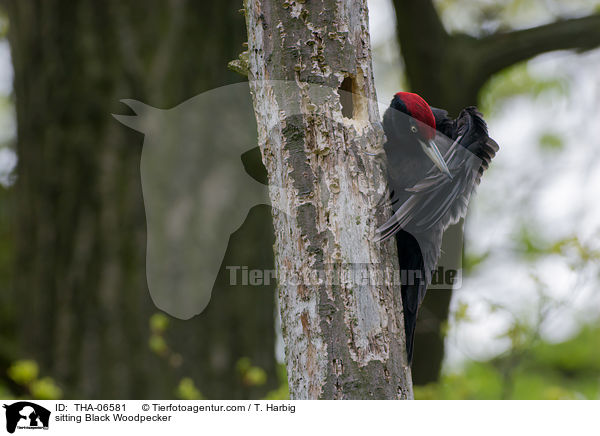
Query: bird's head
x,y
410,118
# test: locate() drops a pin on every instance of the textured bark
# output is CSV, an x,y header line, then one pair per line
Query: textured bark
x,y
342,339
448,70
81,279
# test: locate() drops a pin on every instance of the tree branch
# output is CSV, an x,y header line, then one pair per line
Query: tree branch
x,y
415,18
502,50
448,70
419,16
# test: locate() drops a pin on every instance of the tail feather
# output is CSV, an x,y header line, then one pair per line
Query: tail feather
x,y
410,322
413,284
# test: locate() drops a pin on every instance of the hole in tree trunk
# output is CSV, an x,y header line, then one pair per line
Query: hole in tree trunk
x,y
346,96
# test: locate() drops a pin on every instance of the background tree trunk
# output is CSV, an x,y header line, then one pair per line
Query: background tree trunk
x,y
343,339
80,272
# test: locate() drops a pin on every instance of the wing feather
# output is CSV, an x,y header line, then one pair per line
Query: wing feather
x,y
435,201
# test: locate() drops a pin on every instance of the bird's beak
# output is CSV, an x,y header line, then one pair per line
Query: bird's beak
x,y
434,154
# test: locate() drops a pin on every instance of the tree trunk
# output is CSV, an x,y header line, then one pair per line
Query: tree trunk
x,y
344,339
80,279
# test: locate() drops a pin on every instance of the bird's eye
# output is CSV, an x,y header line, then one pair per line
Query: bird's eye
x,y
413,129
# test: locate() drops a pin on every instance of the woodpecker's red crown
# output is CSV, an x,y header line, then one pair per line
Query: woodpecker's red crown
x,y
418,109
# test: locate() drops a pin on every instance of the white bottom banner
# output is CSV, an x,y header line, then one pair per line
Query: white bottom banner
x,y
297,417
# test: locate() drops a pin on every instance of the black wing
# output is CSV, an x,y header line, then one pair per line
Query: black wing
x,y
472,128
436,201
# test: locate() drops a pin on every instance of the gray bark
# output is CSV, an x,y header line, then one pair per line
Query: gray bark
x,y
343,339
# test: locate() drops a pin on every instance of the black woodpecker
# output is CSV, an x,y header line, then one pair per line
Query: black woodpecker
x,y
434,165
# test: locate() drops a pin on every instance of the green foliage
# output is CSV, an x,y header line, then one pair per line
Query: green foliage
x,y
461,313
471,261
520,335
532,246
567,370
517,81
477,382
186,390
3,24
255,376
45,389
551,142
26,372
531,368
574,356
158,344
159,323
283,391
250,375
23,372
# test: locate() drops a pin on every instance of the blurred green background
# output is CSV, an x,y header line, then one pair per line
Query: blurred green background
x,y
76,319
